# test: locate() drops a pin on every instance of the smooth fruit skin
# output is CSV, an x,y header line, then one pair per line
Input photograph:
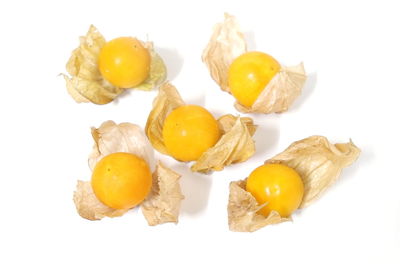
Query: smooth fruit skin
x,y
278,185
189,131
121,180
124,62
249,74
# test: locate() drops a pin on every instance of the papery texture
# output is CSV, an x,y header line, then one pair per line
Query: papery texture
x,y
86,84
89,207
124,137
167,100
226,43
318,162
163,203
235,145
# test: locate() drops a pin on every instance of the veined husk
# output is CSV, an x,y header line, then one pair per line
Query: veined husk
x,y
318,162
227,43
126,137
163,203
235,145
86,84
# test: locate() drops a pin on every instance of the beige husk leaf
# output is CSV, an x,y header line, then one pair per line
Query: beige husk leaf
x,y
227,43
126,137
163,203
86,84
280,92
319,164
235,145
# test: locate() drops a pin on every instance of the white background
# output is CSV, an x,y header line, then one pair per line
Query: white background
x,y
351,53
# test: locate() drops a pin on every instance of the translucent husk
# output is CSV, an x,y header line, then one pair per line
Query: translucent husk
x,y
235,145
86,84
163,203
126,137
227,43
319,164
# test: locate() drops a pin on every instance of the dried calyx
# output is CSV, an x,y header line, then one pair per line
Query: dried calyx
x,y
235,145
319,164
227,43
85,82
161,205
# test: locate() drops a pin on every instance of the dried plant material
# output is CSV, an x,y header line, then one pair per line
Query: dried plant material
x,y
318,162
226,123
89,207
242,210
235,146
124,137
86,84
163,203
280,92
158,70
167,100
226,44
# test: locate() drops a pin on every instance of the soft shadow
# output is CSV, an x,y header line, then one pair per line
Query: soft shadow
x,y
196,189
266,138
308,89
198,100
250,38
172,59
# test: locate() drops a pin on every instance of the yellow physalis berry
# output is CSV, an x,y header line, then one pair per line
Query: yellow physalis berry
x,y
278,185
121,180
189,131
124,62
249,74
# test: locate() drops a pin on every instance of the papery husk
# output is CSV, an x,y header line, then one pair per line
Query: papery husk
x,y
318,162
235,145
226,43
167,100
86,84
163,203
242,210
158,70
89,207
280,93
124,137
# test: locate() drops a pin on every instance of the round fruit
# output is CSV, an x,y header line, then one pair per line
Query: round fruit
x,y
121,180
124,62
189,131
277,185
249,74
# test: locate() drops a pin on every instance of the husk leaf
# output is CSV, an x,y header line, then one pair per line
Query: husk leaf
x,y
89,207
163,203
242,210
235,145
158,70
226,43
167,100
124,137
86,84
319,164
280,92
